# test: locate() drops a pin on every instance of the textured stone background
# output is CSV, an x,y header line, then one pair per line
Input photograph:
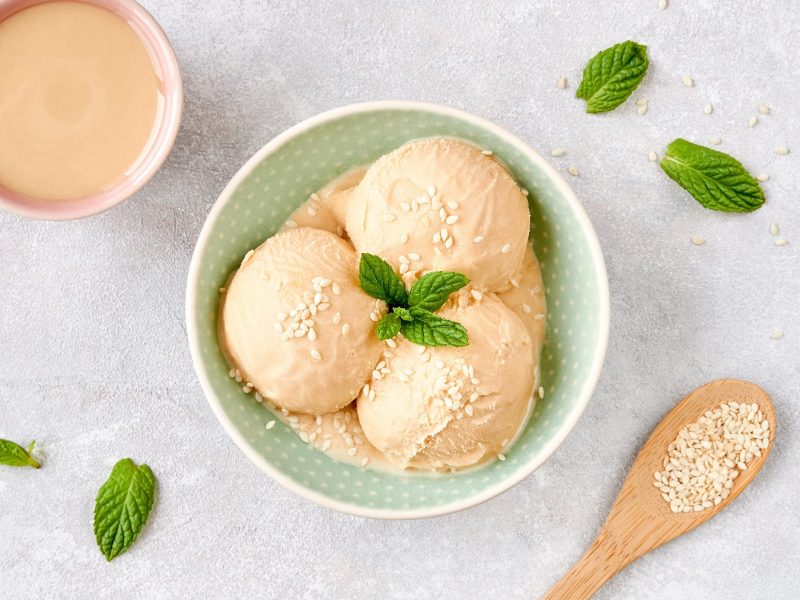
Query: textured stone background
x,y
94,361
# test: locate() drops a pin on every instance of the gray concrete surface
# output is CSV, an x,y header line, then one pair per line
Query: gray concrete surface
x,y
94,361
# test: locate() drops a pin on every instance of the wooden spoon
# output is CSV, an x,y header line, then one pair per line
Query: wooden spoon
x,y
640,519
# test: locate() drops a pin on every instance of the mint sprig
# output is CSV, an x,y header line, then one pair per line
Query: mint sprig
x,y
715,179
122,507
412,313
610,77
14,455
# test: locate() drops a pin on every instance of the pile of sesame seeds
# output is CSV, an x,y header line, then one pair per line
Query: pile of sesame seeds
x,y
701,464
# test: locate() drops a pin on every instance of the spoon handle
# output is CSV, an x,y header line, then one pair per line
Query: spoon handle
x,y
594,568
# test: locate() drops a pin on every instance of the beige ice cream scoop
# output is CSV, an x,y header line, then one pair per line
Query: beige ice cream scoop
x,y
446,407
441,205
296,323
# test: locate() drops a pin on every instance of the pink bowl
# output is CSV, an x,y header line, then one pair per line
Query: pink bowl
x,y
164,130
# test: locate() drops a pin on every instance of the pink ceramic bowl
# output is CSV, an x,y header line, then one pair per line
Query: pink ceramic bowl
x,y
164,131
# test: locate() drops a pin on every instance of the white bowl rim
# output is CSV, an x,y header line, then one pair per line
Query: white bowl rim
x,y
578,407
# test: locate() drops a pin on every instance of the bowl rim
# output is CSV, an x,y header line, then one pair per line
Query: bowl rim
x,y
165,128
589,385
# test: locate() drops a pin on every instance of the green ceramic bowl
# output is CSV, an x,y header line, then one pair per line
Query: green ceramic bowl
x,y
278,179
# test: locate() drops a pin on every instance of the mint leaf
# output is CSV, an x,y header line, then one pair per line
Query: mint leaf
x,y
122,507
403,313
715,179
379,280
388,326
612,75
429,330
433,289
14,455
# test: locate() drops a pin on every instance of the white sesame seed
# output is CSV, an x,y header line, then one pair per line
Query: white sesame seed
x,y
525,192
270,424
389,217
539,317
477,295
762,177
291,224
364,461
405,206
573,170
452,205
404,238
312,211
336,318
527,309
478,239
561,83
708,108
781,242
641,102
662,4
642,109
763,109
501,457
687,81
506,248
315,354
336,289
352,451
698,240
451,219
541,391
345,329
781,150
403,260
487,152
653,156
448,243
413,256
774,229
469,410
277,327
752,122
437,237
557,152
431,191
714,140
403,268
312,334
391,343
776,334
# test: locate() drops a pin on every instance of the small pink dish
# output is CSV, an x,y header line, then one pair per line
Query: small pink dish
x,y
162,138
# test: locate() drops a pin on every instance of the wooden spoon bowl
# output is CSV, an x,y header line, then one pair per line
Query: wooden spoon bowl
x,y
640,520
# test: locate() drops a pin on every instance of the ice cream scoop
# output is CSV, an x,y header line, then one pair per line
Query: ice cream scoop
x,y
441,204
296,323
436,408
526,298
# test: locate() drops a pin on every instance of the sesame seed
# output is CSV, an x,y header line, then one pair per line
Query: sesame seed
x,y
539,317
525,192
478,239
708,108
391,343
541,391
291,224
270,425
776,334
352,451
437,237
452,205
641,102
312,334
469,410
557,152
506,248
487,152
501,457
781,150
561,83
762,177
573,170
389,217
315,354
404,238
774,229
698,240
222,290
336,318
364,461
413,256
445,234
752,122
653,156
642,109
448,243
312,211
403,268
662,4
687,81
781,242
431,191
763,109
527,309
477,295
336,289
402,259
277,327
405,206
714,140
451,219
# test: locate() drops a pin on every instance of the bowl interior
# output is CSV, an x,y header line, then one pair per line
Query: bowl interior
x,y
280,178
162,136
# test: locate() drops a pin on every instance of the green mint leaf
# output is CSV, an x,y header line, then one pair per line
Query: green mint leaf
x,y
403,313
612,75
433,289
14,455
388,326
379,280
715,179
122,507
429,330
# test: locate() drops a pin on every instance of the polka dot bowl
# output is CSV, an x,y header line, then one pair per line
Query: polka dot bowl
x,y
277,180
